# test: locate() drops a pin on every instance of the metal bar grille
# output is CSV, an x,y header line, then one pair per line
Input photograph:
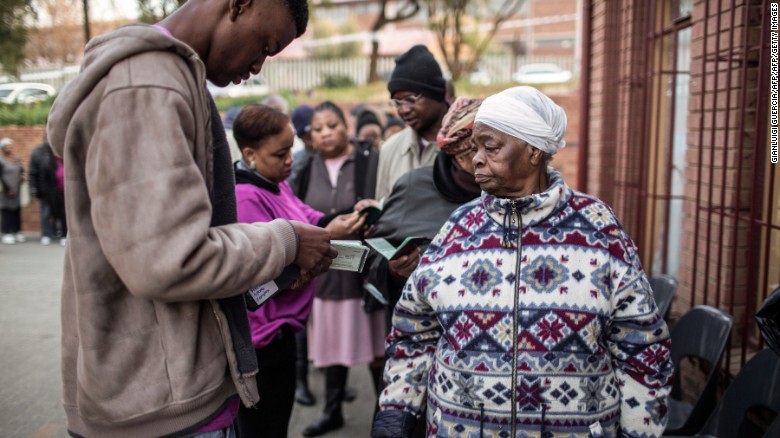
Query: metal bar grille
x,y
729,225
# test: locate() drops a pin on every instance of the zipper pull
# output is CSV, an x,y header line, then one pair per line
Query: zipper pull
x,y
514,210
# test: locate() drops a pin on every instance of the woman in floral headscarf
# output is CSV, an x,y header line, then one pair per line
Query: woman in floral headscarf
x,y
529,313
423,199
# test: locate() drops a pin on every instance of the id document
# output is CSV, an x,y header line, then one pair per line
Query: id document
x,y
352,255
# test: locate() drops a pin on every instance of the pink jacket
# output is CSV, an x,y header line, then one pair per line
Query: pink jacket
x,y
290,307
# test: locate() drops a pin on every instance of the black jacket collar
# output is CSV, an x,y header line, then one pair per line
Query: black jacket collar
x,y
248,177
445,184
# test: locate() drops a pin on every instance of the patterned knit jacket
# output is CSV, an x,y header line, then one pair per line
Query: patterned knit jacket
x,y
557,337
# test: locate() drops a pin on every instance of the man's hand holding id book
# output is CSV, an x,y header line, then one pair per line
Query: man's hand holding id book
x,y
352,257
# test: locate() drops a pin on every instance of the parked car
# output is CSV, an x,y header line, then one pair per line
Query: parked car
x,y
541,74
25,92
254,86
480,76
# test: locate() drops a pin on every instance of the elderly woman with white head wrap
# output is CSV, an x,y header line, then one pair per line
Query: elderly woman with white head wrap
x,y
529,315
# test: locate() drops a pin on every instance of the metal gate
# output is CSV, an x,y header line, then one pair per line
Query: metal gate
x,y
693,182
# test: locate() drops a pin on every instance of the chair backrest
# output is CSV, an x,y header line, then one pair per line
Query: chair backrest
x,y
702,333
756,384
774,428
664,288
768,320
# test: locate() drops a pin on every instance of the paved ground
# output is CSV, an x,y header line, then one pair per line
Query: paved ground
x,y
30,278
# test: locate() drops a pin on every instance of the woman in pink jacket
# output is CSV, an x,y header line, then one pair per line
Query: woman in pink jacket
x,y
265,138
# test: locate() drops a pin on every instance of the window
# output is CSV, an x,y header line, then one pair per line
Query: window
x,y
666,112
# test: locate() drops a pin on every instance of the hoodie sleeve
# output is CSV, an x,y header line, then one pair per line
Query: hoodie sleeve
x,y
639,342
151,211
410,347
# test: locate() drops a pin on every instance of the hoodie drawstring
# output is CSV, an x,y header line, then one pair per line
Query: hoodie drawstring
x,y
507,239
481,419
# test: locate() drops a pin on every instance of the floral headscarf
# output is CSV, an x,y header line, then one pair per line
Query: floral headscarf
x,y
457,126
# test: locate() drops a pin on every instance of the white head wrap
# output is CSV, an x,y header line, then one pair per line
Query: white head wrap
x,y
525,113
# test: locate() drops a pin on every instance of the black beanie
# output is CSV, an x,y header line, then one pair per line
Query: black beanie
x,y
417,71
367,117
394,121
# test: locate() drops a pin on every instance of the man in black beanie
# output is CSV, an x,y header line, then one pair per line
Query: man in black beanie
x,y
417,90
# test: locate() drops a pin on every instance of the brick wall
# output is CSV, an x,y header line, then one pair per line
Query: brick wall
x,y
718,175
26,138
599,159
565,161
721,116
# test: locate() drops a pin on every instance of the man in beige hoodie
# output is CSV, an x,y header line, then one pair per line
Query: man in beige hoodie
x,y
155,340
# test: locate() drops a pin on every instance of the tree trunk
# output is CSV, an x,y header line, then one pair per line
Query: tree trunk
x,y
373,76
87,33
380,22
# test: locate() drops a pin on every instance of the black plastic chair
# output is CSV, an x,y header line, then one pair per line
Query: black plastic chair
x,y
774,428
664,289
768,320
756,384
701,333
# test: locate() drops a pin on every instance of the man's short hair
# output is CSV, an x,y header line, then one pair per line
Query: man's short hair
x,y
299,10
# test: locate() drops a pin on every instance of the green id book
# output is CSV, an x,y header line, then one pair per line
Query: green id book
x,y
388,251
372,214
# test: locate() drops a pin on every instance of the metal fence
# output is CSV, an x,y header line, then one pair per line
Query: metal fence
x,y
305,74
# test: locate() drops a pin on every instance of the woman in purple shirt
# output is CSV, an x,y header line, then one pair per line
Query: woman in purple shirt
x,y
265,138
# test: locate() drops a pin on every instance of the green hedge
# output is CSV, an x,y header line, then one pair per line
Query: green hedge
x,y
24,115
35,114
223,103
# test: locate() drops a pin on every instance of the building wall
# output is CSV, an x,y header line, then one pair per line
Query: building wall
x,y
540,39
600,156
714,161
721,179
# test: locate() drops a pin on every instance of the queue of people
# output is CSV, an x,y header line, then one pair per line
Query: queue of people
x,y
528,289
529,314
45,177
11,178
509,238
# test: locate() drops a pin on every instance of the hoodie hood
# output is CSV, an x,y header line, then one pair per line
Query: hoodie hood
x,y
100,56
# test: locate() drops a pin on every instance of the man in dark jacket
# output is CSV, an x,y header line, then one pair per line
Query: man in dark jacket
x,y
43,185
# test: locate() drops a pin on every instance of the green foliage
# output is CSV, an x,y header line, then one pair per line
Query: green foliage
x,y
337,81
13,34
24,115
153,11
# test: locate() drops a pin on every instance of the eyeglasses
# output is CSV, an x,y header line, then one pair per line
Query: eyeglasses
x,y
408,100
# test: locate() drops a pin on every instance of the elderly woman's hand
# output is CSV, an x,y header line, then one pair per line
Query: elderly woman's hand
x,y
402,267
345,225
